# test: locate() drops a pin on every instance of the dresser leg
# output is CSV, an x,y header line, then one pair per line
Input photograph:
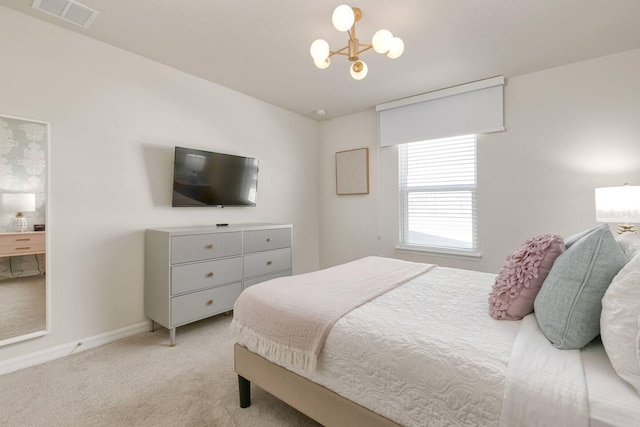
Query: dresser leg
x,y
172,337
153,326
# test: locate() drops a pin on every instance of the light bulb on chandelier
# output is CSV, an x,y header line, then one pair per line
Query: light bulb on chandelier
x,y
381,41
397,48
323,63
359,70
344,18
319,50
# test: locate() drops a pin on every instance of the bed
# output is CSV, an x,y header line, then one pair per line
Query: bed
x,y
426,352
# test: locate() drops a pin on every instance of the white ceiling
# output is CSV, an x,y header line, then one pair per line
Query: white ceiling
x,y
261,47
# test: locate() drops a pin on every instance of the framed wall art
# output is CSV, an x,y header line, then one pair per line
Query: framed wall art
x,y
352,172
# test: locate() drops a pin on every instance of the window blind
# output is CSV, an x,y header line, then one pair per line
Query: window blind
x,y
438,194
472,108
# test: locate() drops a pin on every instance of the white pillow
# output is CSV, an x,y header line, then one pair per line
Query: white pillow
x,y
620,322
630,243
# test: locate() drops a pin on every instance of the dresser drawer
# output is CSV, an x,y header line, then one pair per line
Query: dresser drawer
x,y
205,246
267,262
197,305
22,244
265,240
255,280
201,275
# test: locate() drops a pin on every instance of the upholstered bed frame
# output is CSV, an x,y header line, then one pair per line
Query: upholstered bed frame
x,y
313,400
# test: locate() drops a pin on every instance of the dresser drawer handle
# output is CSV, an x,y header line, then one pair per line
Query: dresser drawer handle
x,y
210,302
210,246
210,274
268,239
23,240
24,248
269,262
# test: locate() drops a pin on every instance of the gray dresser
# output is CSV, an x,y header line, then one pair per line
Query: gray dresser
x,y
192,273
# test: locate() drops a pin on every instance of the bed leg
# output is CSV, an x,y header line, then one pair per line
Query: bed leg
x,y
244,388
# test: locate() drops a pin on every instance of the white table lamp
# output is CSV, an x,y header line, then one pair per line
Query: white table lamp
x,y
619,204
19,203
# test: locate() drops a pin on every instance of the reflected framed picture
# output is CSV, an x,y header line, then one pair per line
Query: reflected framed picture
x,y
352,172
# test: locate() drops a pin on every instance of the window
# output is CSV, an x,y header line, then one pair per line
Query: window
x,y
438,195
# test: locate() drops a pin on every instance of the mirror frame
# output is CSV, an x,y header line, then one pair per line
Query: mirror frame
x,y
47,216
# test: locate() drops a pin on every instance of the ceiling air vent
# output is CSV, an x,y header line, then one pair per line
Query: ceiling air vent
x,y
67,10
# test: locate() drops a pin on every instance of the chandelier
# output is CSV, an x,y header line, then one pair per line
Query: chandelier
x,y
344,19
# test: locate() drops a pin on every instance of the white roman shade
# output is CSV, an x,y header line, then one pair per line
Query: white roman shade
x,y
472,108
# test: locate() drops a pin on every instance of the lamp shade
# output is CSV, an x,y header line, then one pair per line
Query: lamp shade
x,y
397,48
359,70
323,63
381,41
18,202
319,50
618,204
343,17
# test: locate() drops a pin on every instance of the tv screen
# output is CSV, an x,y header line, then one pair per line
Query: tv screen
x,y
203,178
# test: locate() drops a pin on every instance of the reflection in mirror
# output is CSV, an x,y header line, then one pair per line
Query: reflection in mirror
x,y
24,292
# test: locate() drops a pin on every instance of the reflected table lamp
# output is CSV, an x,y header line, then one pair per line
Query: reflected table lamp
x,y
19,203
619,204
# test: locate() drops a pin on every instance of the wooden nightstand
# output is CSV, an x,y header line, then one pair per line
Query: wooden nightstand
x,y
26,243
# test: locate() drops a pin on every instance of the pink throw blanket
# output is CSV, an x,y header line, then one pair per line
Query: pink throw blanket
x,y
288,319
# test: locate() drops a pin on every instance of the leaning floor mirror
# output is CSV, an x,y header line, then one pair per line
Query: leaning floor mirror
x,y
24,284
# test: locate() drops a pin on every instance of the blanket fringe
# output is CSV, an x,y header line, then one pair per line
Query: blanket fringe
x,y
274,351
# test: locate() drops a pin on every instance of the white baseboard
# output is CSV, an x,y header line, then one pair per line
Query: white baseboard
x,y
63,350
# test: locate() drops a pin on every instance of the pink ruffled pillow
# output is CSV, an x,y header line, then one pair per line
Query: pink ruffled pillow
x,y
522,275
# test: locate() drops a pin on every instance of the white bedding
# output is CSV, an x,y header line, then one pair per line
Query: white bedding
x,y
612,401
428,354
426,350
544,386
289,318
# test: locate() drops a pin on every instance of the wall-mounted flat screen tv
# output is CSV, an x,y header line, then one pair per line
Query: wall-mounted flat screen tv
x,y
204,178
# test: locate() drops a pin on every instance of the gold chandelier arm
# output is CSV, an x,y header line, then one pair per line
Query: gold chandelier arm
x,y
357,13
339,52
352,33
366,47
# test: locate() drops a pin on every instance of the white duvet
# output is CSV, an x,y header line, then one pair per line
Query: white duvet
x,y
428,354
425,353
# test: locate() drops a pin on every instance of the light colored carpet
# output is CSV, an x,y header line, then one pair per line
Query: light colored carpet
x,y
22,306
141,381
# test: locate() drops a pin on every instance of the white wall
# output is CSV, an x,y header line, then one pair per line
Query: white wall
x,y
348,222
569,130
115,118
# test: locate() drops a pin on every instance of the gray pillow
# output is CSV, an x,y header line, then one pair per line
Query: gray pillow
x,y
569,303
